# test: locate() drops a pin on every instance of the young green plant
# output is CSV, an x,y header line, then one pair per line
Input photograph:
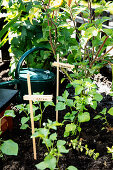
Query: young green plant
x,y
8,147
55,148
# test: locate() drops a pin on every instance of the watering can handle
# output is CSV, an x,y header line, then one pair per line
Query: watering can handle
x,y
24,56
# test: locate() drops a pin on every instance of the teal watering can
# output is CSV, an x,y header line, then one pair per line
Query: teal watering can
x,y
41,80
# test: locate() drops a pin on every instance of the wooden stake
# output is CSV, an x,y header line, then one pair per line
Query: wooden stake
x,y
58,65
57,86
31,98
31,114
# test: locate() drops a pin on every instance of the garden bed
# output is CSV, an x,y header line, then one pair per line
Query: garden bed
x,y
91,134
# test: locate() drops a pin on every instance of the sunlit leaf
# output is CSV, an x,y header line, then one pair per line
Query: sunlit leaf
x,y
110,111
60,106
83,117
9,147
9,113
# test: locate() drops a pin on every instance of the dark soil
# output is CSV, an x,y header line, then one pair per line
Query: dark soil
x,y
91,134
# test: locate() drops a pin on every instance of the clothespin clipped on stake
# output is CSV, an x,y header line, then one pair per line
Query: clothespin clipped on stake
x,y
60,65
31,98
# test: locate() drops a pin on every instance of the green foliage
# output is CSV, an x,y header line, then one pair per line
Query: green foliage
x,y
110,150
79,147
55,147
70,129
85,94
9,113
37,107
8,25
71,168
39,25
9,147
103,117
84,117
49,162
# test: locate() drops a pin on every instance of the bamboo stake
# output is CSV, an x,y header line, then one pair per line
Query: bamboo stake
x,y
31,114
57,86
60,65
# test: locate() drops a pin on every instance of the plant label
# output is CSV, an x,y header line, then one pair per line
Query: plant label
x,y
63,65
38,97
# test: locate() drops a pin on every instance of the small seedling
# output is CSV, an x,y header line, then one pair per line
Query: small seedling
x,y
110,150
77,144
8,147
103,117
38,110
55,147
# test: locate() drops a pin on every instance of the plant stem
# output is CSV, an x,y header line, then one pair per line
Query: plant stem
x,y
90,11
112,77
95,59
66,73
57,161
105,53
107,122
41,116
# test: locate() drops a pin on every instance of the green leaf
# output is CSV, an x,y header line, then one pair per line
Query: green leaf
x,y
90,32
68,85
62,80
97,117
75,83
98,97
65,94
70,102
53,136
70,127
60,98
20,107
84,117
60,106
103,19
47,142
24,120
34,108
41,132
110,111
50,161
8,25
9,147
24,126
61,147
9,113
36,118
94,104
72,168
78,90
53,125
104,111
4,40
109,32
42,165
70,116
48,103
111,94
